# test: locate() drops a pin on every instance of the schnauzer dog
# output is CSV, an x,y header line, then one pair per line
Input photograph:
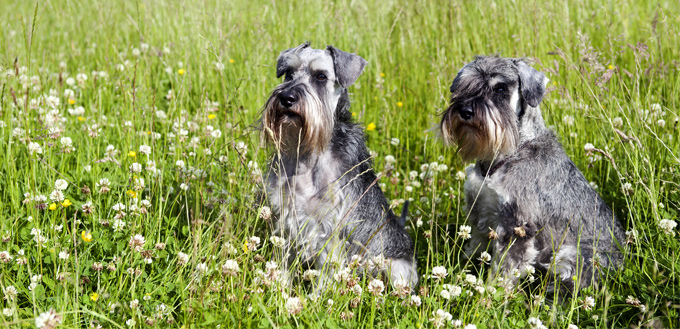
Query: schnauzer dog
x,y
527,203
320,182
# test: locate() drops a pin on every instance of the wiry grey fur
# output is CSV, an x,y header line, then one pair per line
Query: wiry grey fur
x,y
320,181
523,186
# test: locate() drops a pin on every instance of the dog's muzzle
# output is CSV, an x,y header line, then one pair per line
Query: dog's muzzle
x,y
288,98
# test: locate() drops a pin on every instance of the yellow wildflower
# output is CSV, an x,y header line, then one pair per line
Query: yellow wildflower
x,y
611,67
382,75
354,114
53,206
66,203
71,101
132,193
400,104
211,116
81,118
86,235
231,61
94,296
132,154
181,71
370,127
245,247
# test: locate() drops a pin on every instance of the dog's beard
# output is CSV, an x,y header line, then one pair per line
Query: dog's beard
x,y
306,127
485,137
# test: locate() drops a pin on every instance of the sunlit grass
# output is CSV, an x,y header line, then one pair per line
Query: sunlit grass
x,y
132,167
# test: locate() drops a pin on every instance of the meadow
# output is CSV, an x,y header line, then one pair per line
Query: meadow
x,y
131,163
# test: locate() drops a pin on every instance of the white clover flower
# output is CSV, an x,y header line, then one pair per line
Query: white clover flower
x,y
180,164
589,147
470,326
414,300
63,255
454,290
376,287
394,141
293,305
219,66
357,290
617,122
230,267
48,320
145,149
118,225
5,257
10,292
389,159
485,257
77,111
216,133
137,242
457,323
445,294
439,272
471,279
627,188
440,318
182,258
572,326
265,213
568,120
7,312
464,232
667,226
184,187
277,241
34,147
135,168
201,268
61,184
70,81
588,303
460,175
57,196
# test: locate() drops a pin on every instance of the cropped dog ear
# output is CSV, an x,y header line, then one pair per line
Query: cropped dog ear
x,y
532,82
286,59
456,80
348,66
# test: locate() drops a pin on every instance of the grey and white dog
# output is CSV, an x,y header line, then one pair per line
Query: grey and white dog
x,y
320,180
529,205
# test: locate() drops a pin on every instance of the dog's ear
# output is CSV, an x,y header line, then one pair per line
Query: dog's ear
x,y
532,82
285,59
348,66
456,80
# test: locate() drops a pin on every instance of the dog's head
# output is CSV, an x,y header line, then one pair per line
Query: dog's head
x,y
489,98
302,111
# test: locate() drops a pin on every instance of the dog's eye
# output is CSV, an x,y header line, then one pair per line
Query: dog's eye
x,y
499,90
321,77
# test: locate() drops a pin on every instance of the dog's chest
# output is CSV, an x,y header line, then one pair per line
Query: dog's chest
x,y
310,198
483,200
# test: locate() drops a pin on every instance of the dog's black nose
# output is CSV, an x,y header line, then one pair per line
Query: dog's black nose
x,y
466,113
288,98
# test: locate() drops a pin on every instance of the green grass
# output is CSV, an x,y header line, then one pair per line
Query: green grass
x,y
414,50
